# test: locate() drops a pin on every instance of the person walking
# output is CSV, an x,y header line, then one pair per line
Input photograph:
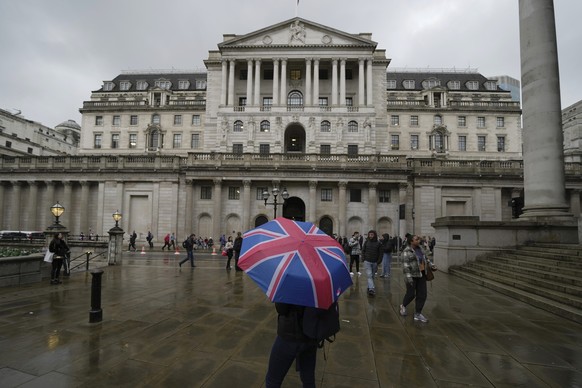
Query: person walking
x,y
132,240
59,247
237,246
188,244
356,249
414,268
372,252
229,247
172,241
388,248
291,344
149,239
166,242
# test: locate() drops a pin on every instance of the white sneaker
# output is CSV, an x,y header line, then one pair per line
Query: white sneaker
x,y
351,274
420,317
359,273
403,310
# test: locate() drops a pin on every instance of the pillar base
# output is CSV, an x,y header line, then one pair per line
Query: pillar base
x,y
547,214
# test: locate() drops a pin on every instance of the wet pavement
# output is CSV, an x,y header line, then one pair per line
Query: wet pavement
x,y
165,326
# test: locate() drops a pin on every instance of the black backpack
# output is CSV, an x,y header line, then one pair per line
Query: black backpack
x,y
185,244
320,324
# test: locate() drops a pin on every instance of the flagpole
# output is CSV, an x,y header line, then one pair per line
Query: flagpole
x,y
296,7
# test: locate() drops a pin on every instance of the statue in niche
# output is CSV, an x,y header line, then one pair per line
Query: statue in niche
x,y
297,32
367,123
224,126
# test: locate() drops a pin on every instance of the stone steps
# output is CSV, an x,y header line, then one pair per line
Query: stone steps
x,y
547,276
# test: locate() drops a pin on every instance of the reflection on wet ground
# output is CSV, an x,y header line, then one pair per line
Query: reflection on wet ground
x,y
208,327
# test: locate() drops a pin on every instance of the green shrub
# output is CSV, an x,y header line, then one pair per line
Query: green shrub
x,y
11,252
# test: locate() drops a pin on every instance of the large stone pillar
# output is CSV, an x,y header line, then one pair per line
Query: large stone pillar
x,y
316,82
189,206
249,82
2,206
361,82
543,155
15,222
224,78
334,82
284,82
230,95
84,208
33,206
246,210
372,204
342,80
257,99
307,81
67,203
342,204
275,83
217,210
369,84
312,201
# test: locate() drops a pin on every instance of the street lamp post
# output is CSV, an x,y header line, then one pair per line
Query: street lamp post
x,y
115,240
57,210
275,193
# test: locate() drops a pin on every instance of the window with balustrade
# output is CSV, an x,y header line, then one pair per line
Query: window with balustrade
x,y
265,126
325,126
237,126
352,126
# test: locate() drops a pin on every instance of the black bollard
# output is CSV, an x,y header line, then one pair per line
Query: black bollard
x,y
96,314
88,253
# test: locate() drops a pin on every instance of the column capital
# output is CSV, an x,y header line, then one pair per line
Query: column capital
x,y
189,181
83,183
342,184
308,60
31,183
217,181
312,184
67,183
373,184
246,183
16,183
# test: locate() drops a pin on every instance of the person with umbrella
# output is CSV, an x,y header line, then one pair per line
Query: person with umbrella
x,y
299,267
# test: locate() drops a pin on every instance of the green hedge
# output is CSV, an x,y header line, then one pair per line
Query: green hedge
x,y
12,252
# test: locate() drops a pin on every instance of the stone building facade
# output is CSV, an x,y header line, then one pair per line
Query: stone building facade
x,y
295,105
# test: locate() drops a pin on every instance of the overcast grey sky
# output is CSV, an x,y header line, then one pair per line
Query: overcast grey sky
x,y
55,52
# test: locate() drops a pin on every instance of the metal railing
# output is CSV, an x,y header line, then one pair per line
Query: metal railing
x,y
87,258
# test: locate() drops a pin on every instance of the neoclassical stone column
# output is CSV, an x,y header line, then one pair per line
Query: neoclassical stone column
x,y
361,82
257,99
189,188
48,202
372,204
246,210
574,202
84,208
370,84
223,74
307,81
342,86
543,154
316,82
249,82
334,82
284,82
342,204
275,83
230,96
403,200
2,206
312,201
33,206
217,208
15,221
67,203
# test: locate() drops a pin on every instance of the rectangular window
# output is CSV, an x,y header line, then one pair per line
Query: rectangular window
x,y
233,192
243,74
195,141
133,120
325,149
462,143
391,84
177,119
481,143
264,149
414,142
97,140
206,192
394,120
268,74
349,101
352,150
142,85
349,74
237,148
322,101
115,140
295,74
323,73
177,143
124,85
480,122
384,196
395,142
183,85
268,101
500,143
133,140
196,120
99,120
501,122
242,101
462,121
438,120
326,195
355,195
116,121
29,150
414,121
8,144
260,191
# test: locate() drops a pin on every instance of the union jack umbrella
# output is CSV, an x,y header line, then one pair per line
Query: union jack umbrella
x,y
295,262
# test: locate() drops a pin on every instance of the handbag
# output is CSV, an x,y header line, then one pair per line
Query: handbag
x,y
48,256
224,253
429,273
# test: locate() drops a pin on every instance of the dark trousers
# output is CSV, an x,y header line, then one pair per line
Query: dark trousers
x,y
282,355
236,255
189,256
229,255
355,259
416,290
56,268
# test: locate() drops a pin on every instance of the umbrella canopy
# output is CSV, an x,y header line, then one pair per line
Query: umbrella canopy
x,y
295,262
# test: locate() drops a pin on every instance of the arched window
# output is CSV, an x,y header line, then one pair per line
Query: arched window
x,y
155,118
326,224
295,98
238,126
438,120
438,141
325,126
155,139
265,126
353,126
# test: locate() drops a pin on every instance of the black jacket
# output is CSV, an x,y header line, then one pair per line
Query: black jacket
x,y
372,250
290,322
59,247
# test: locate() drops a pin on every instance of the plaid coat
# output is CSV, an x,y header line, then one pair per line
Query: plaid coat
x,y
410,265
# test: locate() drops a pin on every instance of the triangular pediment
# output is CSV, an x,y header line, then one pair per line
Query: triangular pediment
x,y
297,32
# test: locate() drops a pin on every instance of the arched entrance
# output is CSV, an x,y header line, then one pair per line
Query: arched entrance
x,y
294,209
295,139
326,224
260,220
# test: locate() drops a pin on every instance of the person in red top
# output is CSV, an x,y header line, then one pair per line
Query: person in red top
x,y
166,242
